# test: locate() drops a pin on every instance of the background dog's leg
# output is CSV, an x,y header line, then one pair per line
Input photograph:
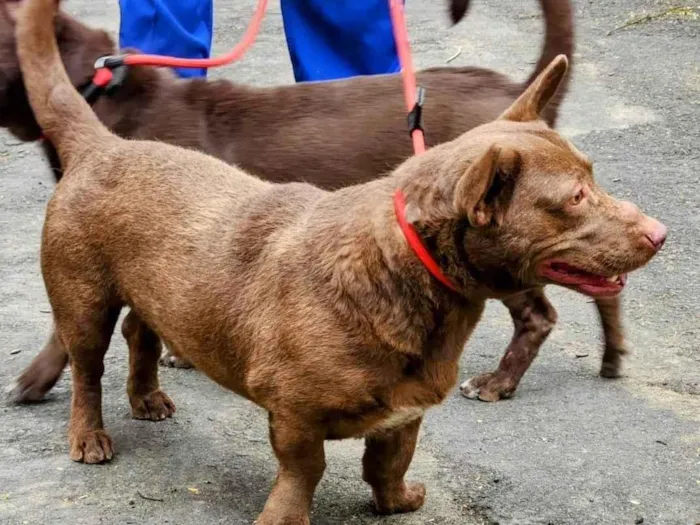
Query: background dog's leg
x,y
84,324
609,311
386,460
298,446
171,359
42,373
147,400
533,317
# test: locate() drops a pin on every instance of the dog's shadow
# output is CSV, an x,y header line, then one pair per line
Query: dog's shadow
x,y
232,473
213,454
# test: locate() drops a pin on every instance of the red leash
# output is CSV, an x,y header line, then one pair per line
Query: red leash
x,y
235,54
412,94
410,87
414,103
105,65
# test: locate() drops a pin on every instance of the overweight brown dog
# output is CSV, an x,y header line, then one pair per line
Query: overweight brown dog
x,y
310,303
354,130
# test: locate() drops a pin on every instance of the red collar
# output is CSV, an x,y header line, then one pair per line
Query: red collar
x,y
414,241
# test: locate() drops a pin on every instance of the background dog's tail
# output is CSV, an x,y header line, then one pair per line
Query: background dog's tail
x,y
558,35
458,8
558,40
64,116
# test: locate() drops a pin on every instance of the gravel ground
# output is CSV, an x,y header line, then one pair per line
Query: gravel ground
x,y
570,448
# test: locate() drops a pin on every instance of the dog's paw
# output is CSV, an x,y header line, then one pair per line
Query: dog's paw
x,y
611,370
19,392
411,497
91,446
172,361
32,385
488,387
612,363
155,406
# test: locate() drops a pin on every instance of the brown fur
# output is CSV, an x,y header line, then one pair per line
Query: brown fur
x,y
273,132
308,303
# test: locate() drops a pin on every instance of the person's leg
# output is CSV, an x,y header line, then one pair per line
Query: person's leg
x,y
339,39
181,28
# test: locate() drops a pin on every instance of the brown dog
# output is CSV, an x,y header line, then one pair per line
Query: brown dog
x,y
274,133
311,304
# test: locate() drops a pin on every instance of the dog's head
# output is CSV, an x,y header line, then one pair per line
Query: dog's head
x,y
80,46
519,206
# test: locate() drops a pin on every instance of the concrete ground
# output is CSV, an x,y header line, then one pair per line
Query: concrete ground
x,y
571,448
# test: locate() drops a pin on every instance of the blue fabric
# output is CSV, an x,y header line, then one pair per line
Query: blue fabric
x,y
331,39
181,28
327,39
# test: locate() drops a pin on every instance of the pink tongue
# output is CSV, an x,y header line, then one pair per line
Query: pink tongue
x,y
585,277
575,272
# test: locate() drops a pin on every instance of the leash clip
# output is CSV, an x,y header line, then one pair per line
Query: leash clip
x,y
110,72
110,61
415,116
117,68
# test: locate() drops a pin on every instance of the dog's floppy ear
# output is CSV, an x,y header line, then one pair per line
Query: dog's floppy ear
x,y
458,8
530,104
484,191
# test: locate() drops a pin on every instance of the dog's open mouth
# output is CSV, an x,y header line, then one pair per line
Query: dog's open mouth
x,y
581,280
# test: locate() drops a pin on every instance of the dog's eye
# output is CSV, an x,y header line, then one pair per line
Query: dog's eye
x,y
577,199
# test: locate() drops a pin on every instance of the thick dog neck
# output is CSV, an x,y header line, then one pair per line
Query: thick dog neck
x,y
414,241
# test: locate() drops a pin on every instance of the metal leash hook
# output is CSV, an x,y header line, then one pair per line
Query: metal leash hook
x,y
415,116
109,75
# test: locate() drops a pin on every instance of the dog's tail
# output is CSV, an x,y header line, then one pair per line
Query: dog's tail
x,y
458,8
559,30
558,35
64,116
558,40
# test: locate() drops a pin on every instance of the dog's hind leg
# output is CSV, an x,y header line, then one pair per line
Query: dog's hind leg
x,y
147,400
533,317
85,320
384,464
171,359
41,375
298,445
613,334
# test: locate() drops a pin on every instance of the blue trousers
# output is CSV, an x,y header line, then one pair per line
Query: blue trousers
x,y
327,39
181,28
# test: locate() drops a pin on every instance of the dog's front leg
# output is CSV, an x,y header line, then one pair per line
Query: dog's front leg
x,y
386,460
613,334
147,400
533,317
298,445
